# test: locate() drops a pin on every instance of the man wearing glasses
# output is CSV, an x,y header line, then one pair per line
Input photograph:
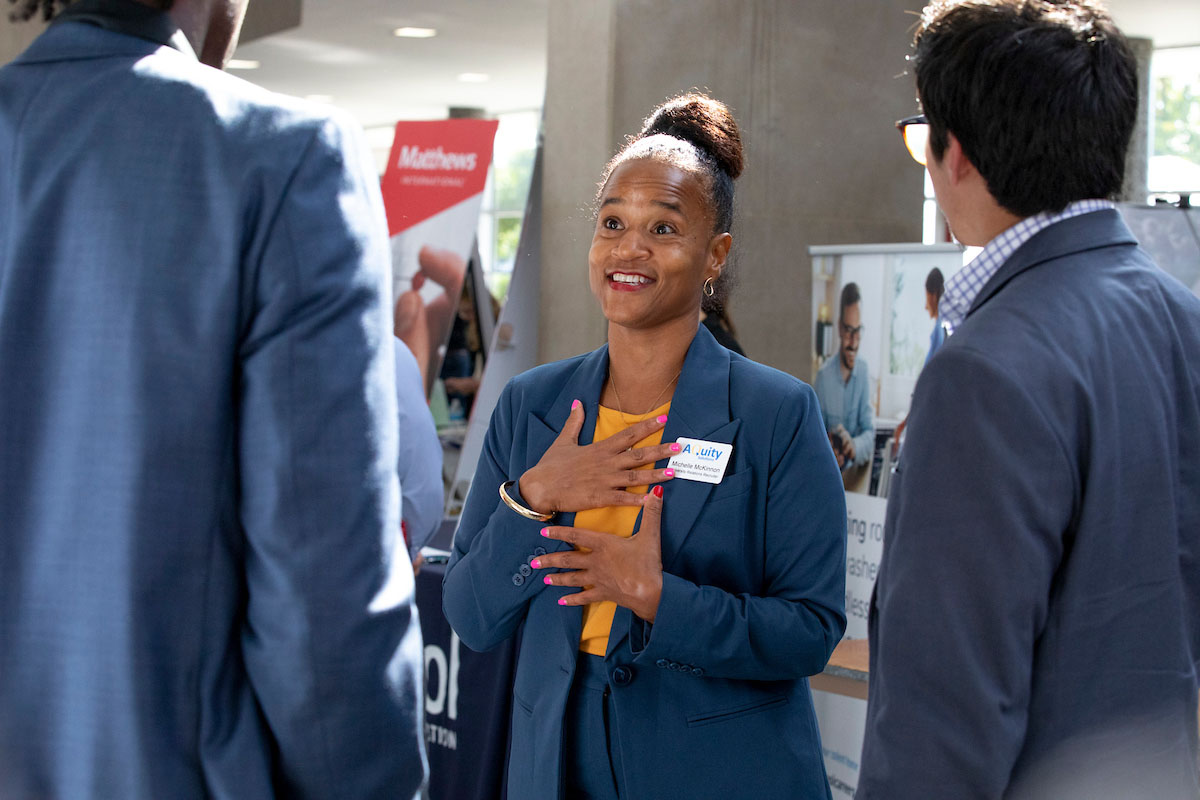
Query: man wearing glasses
x,y
1035,629
842,389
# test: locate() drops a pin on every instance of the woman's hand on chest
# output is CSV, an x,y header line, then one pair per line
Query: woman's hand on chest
x,y
626,571
574,477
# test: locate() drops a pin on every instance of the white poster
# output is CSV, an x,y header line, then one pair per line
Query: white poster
x,y
875,308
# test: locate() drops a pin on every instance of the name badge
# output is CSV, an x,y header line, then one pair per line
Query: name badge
x,y
700,460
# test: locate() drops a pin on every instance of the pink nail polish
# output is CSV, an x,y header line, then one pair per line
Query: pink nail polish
x,y
662,419
536,563
675,448
574,404
562,601
546,580
670,473
545,531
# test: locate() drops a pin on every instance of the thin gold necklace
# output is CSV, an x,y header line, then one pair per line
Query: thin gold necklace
x,y
612,379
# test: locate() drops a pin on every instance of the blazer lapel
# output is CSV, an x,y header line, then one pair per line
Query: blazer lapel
x,y
585,385
699,410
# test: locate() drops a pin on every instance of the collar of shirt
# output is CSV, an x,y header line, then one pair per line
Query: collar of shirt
x,y
130,18
964,286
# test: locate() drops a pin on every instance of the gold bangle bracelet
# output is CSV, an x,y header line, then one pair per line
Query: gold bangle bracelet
x,y
528,513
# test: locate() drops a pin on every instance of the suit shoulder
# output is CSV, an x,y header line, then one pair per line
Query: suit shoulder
x,y
758,386
541,383
227,106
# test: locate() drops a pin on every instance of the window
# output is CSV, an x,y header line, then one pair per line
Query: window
x,y
504,197
1175,122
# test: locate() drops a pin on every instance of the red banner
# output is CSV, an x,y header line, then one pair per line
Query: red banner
x,y
433,166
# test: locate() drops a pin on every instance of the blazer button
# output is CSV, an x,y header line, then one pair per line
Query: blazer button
x,y
697,671
526,570
673,666
662,662
539,551
518,579
622,676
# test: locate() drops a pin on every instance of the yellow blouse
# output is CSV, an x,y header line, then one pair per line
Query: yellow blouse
x,y
618,520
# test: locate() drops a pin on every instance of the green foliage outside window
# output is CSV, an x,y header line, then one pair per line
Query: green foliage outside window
x,y
1177,119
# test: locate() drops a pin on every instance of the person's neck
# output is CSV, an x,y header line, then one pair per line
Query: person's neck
x,y
645,363
846,371
988,220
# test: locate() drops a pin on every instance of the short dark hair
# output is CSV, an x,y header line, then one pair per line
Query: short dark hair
x,y
27,9
700,136
850,296
935,284
1041,94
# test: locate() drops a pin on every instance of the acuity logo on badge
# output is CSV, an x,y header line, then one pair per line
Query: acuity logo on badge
x,y
707,452
699,460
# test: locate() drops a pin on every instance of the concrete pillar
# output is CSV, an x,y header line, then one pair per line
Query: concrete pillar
x,y
16,36
579,139
264,17
816,87
1137,161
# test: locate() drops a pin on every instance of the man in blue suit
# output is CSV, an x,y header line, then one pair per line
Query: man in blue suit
x,y
203,592
1035,628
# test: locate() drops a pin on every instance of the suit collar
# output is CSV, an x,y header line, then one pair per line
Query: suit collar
x,y
699,406
1068,237
80,31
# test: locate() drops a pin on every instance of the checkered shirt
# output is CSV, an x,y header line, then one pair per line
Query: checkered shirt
x,y
962,289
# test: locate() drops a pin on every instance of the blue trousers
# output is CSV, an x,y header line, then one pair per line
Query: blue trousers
x,y
592,766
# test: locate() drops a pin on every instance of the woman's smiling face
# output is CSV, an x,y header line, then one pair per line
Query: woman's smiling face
x,y
654,245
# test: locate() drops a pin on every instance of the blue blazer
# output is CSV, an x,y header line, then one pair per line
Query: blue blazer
x,y
712,699
198,501
1035,629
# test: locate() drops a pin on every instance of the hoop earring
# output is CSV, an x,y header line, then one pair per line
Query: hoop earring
x,y
709,291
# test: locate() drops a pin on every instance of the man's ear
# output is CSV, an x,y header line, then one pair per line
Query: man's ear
x,y
958,166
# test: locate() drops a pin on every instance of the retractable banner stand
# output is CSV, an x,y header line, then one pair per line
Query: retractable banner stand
x,y
432,191
867,359
513,347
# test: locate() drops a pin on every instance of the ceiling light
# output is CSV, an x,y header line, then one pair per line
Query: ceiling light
x,y
474,77
415,33
242,63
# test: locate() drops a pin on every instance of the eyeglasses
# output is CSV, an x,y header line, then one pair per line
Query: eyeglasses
x,y
851,333
915,132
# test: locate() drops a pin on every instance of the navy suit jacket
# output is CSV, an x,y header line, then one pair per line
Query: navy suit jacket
x,y
712,699
198,502
1035,628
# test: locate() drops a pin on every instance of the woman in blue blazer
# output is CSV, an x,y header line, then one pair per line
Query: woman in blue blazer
x,y
674,662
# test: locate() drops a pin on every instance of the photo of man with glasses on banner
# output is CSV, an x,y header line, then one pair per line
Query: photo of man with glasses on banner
x,y
842,386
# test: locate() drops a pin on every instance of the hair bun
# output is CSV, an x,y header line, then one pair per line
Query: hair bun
x,y
703,121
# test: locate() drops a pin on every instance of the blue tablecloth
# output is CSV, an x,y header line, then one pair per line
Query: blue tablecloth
x,y
468,698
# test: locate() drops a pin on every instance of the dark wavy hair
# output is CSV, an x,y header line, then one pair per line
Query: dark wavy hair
x,y
698,135
1041,94
28,9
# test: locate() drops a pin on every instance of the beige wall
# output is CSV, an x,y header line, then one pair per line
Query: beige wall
x,y
816,87
16,36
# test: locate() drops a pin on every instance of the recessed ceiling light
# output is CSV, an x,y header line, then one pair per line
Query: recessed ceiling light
x,y
319,98
474,77
242,63
415,33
